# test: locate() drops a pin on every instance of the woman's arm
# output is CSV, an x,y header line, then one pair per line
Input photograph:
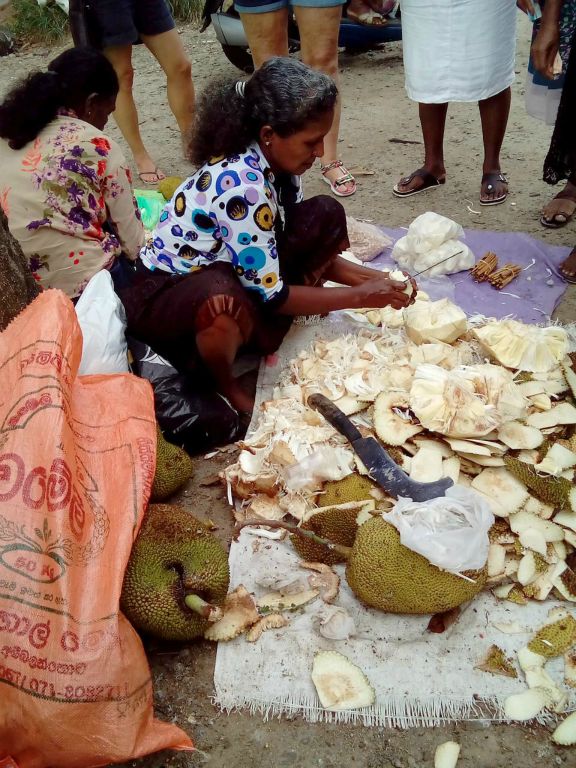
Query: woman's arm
x,y
545,46
348,273
377,292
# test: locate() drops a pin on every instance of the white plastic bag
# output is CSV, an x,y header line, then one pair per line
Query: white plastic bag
x,y
407,255
451,531
432,239
103,323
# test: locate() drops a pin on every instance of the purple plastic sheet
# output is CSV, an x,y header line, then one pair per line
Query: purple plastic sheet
x,y
528,298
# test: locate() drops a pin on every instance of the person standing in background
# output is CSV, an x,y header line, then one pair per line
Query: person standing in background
x,y
459,50
266,26
552,42
114,26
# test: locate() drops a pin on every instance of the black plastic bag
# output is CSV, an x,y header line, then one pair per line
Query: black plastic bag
x,y
195,417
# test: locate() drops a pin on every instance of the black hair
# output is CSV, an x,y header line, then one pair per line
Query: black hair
x,y
284,94
69,80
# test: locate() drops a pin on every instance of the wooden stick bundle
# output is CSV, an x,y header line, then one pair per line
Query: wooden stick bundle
x,y
484,268
505,275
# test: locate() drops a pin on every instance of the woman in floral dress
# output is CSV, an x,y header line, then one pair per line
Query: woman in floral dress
x,y
65,186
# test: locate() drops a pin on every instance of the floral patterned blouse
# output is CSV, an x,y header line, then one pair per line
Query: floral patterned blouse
x,y
69,203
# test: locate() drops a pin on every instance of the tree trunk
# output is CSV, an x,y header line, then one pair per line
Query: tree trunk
x,y
17,285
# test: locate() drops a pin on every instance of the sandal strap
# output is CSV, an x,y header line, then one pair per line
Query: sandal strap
x,y
331,166
346,179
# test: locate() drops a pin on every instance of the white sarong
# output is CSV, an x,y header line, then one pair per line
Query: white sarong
x,y
458,50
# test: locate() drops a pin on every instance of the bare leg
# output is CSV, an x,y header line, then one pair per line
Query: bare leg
x,y
126,115
494,116
217,346
168,50
267,34
433,122
319,29
562,207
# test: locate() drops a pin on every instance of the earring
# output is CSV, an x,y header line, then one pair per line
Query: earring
x,y
267,143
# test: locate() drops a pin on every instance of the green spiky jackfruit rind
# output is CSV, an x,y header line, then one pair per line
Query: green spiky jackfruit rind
x,y
173,468
554,639
171,548
549,489
386,575
337,525
353,487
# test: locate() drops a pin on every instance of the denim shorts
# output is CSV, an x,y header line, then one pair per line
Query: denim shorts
x,y
121,22
265,6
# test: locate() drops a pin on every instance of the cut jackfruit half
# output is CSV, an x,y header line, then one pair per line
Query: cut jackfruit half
x,y
337,524
340,684
432,321
523,347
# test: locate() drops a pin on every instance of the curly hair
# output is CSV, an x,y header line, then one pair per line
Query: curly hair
x,y
70,78
284,94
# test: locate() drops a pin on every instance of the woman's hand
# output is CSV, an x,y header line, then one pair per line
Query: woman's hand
x,y
545,48
384,292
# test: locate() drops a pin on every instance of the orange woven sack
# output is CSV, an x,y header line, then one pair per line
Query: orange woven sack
x,y
77,457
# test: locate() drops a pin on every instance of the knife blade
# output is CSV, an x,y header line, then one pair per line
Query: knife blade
x,y
458,253
380,465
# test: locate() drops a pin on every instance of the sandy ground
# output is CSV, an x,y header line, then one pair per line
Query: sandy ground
x,y
375,111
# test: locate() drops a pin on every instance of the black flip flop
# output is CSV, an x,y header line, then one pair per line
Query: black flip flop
x,y
490,178
429,182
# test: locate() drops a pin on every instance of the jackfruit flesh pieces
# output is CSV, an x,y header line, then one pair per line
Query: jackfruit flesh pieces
x,y
340,684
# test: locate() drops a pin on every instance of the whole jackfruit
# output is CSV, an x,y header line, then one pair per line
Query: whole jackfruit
x,y
386,575
173,468
169,185
175,563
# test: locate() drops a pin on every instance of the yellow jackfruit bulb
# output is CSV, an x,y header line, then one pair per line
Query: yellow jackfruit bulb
x,y
336,525
386,575
177,575
554,639
173,468
169,185
351,488
551,490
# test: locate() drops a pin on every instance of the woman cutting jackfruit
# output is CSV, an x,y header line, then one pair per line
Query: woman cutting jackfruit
x,y
237,251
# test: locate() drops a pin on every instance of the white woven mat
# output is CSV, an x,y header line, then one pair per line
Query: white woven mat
x,y
420,678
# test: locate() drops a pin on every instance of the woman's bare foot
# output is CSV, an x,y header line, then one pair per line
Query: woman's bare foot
x,y
568,267
560,209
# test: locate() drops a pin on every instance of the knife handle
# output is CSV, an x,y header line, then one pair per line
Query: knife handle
x,y
334,416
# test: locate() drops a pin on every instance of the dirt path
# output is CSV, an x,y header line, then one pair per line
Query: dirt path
x,y
376,110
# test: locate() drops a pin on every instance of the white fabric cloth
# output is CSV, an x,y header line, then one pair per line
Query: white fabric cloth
x,y
458,50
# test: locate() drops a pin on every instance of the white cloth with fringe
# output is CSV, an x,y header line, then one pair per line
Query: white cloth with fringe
x,y
458,50
420,678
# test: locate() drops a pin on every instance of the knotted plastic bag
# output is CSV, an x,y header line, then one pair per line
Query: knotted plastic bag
x,y
450,531
77,458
